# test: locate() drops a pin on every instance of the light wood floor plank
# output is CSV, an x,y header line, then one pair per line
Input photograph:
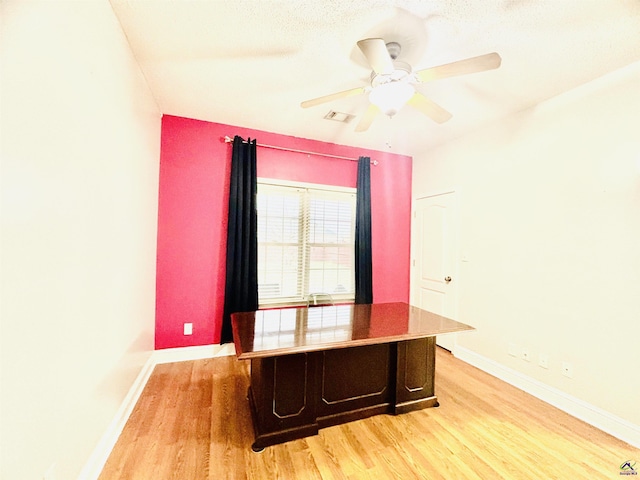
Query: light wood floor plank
x,y
192,422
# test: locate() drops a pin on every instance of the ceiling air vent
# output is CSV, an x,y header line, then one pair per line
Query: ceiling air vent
x,y
338,116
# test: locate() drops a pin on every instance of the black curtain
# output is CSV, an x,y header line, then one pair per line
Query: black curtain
x,y
241,287
364,276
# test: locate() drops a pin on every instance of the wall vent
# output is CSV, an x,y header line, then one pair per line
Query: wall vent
x,y
338,116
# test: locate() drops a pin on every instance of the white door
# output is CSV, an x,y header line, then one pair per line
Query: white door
x,y
434,250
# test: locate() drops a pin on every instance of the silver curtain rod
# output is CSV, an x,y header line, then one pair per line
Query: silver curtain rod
x,y
228,139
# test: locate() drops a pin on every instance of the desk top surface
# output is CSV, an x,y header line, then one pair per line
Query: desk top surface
x,y
283,331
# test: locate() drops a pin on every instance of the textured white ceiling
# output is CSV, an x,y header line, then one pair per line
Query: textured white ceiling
x,y
251,63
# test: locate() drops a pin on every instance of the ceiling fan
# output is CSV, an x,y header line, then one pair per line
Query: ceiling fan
x,y
393,82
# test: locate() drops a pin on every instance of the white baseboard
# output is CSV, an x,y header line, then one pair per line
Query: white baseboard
x,y
183,354
599,418
100,454
94,465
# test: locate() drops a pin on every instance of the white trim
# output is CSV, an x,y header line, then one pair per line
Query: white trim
x,y
94,465
599,418
304,185
184,354
100,454
436,193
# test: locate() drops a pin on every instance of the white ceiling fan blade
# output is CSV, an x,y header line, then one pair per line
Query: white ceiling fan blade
x,y
334,96
367,119
429,108
461,67
377,55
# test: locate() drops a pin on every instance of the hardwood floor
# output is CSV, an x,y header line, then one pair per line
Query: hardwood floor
x,y
192,422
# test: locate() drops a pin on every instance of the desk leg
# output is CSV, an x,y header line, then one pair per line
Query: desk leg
x,y
415,375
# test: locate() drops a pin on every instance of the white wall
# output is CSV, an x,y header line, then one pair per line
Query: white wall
x,y
549,204
80,156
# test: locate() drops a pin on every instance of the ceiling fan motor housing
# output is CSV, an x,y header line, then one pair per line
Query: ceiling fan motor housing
x,y
394,49
402,72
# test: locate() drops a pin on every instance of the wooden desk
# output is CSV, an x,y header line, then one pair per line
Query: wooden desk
x,y
321,366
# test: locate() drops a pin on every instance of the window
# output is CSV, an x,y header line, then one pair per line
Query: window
x,y
305,242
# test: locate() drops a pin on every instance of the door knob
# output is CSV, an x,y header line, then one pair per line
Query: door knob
x,y
447,279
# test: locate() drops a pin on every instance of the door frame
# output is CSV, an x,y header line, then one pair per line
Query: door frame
x,y
455,253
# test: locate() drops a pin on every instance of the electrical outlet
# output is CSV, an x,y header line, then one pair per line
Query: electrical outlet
x,y
188,328
543,360
513,350
525,355
567,369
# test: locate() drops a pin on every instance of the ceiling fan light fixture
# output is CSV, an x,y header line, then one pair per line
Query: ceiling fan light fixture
x,y
391,97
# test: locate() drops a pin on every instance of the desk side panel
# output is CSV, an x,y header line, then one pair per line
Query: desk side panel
x,y
415,384
283,398
355,383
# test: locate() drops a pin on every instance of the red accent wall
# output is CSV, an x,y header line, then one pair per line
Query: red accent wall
x,y
192,218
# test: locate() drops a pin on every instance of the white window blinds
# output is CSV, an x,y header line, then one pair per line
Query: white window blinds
x,y
305,242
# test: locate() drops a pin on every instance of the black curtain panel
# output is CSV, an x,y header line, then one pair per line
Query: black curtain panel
x,y
241,287
364,275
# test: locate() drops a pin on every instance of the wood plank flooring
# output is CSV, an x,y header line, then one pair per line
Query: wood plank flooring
x,y
192,422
